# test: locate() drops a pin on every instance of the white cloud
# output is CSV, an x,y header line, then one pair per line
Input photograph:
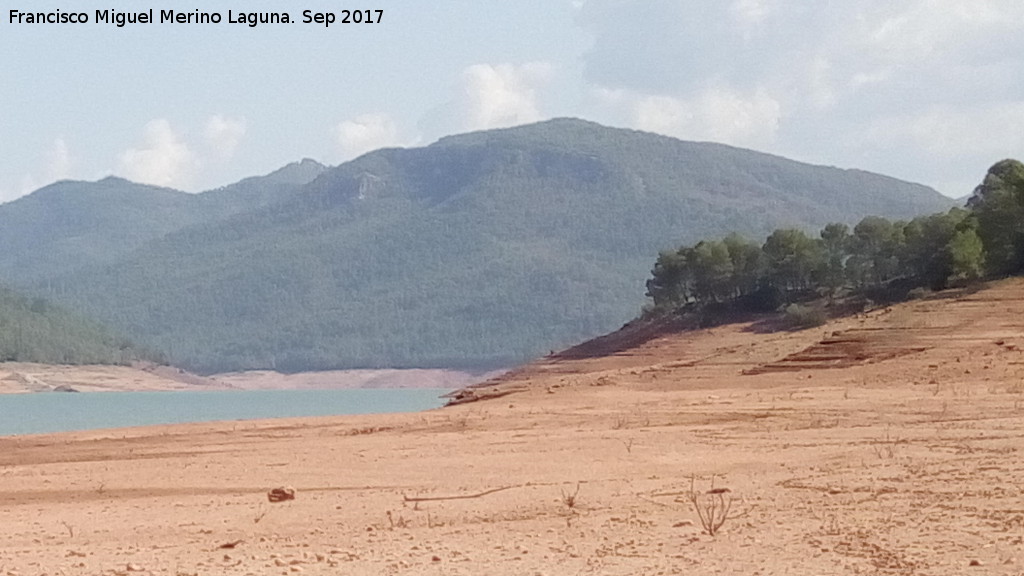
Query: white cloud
x,y
58,160
883,52
491,96
912,31
953,145
366,133
821,93
57,163
947,133
750,14
27,185
503,94
164,159
224,134
922,89
719,115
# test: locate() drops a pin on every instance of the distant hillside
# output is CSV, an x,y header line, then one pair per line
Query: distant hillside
x,y
33,330
70,225
259,191
481,250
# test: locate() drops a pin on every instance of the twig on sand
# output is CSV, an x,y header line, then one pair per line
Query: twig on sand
x,y
460,497
467,395
646,499
260,513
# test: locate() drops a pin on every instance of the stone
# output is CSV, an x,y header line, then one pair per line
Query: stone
x,y
281,494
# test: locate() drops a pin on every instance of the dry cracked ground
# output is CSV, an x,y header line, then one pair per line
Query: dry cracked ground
x,y
887,443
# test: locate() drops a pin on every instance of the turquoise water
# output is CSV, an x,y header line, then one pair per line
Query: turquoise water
x,y
61,412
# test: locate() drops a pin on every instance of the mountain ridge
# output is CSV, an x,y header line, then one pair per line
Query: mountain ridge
x,y
480,250
74,224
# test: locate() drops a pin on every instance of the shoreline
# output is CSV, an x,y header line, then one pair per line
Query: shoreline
x,y
206,427
19,377
867,459
54,413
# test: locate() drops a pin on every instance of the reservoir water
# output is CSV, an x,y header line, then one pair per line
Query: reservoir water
x,y
61,412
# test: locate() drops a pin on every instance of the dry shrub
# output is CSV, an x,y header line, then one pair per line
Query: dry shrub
x,y
798,317
712,507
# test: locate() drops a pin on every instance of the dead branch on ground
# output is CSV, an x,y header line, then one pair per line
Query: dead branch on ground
x,y
459,497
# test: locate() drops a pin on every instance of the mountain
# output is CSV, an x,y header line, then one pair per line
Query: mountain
x,y
34,330
70,224
260,191
483,249
81,225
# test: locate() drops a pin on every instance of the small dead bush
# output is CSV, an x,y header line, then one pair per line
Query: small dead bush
x,y
887,448
398,521
918,293
798,317
570,499
712,506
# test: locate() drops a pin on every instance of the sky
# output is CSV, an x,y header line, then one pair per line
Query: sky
x,y
929,91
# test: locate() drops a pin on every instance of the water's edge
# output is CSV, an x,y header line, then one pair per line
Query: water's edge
x,y
44,413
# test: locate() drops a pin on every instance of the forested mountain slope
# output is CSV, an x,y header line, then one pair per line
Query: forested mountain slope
x,y
34,330
480,250
71,225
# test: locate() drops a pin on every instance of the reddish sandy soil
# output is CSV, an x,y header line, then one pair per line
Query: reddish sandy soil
x,y
889,443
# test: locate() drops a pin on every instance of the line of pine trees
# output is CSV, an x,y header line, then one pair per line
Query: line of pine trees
x,y
985,239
